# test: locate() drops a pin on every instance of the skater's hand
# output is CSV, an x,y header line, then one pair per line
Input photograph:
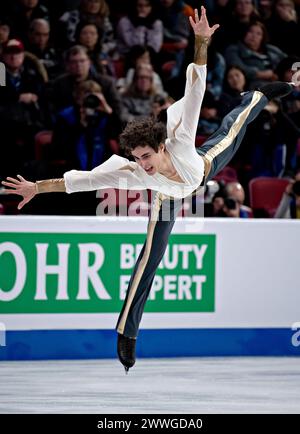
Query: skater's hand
x,y
201,26
22,187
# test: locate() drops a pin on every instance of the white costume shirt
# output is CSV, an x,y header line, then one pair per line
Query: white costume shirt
x,y
182,121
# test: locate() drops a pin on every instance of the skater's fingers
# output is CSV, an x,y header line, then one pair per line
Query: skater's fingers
x,y
192,21
21,204
203,15
14,180
215,27
10,191
196,15
10,184
21,177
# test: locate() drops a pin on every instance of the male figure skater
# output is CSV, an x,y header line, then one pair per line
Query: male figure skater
x,y
166,162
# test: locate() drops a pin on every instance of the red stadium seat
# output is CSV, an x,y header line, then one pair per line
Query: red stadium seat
x,y
228,174
266,193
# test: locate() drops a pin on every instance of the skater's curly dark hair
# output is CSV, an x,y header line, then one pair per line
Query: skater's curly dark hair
x,y
143,132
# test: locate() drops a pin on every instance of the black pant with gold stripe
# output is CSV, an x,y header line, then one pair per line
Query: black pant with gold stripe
x,y
217,151
163,215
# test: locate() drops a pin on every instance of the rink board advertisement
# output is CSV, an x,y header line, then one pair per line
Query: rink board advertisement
x,y
82,273
224,287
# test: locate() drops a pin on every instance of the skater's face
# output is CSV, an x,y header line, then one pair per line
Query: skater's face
x,y
147,158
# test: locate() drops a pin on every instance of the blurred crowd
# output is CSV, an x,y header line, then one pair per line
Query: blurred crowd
x,y
76,71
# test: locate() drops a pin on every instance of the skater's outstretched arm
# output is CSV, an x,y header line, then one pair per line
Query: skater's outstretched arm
x,y
116,172
183,116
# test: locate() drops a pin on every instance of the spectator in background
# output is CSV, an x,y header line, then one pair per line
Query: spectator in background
x,y
90,11
267,142
81,132
140,27
289,206
159,107
235,191
283,27
22,13
209,121
235,83
139,55
215,71
39,45
139,97
233,28
4,32
228,201
22,106
231,208
265,8
214,208
174,15
88,35
218,10
255,56
286,71
78,69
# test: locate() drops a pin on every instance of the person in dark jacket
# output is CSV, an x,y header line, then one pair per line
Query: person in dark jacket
x,y
78,69
22,106
255,56
235,83
21,13
80,136
283,27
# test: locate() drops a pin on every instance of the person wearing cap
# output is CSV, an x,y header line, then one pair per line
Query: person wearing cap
x,y
21,105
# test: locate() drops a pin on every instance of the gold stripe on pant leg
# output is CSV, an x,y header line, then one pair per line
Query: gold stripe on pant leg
x,y
234,130
143,262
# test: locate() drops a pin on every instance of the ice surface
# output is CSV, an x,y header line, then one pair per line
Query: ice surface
x,y
193,385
